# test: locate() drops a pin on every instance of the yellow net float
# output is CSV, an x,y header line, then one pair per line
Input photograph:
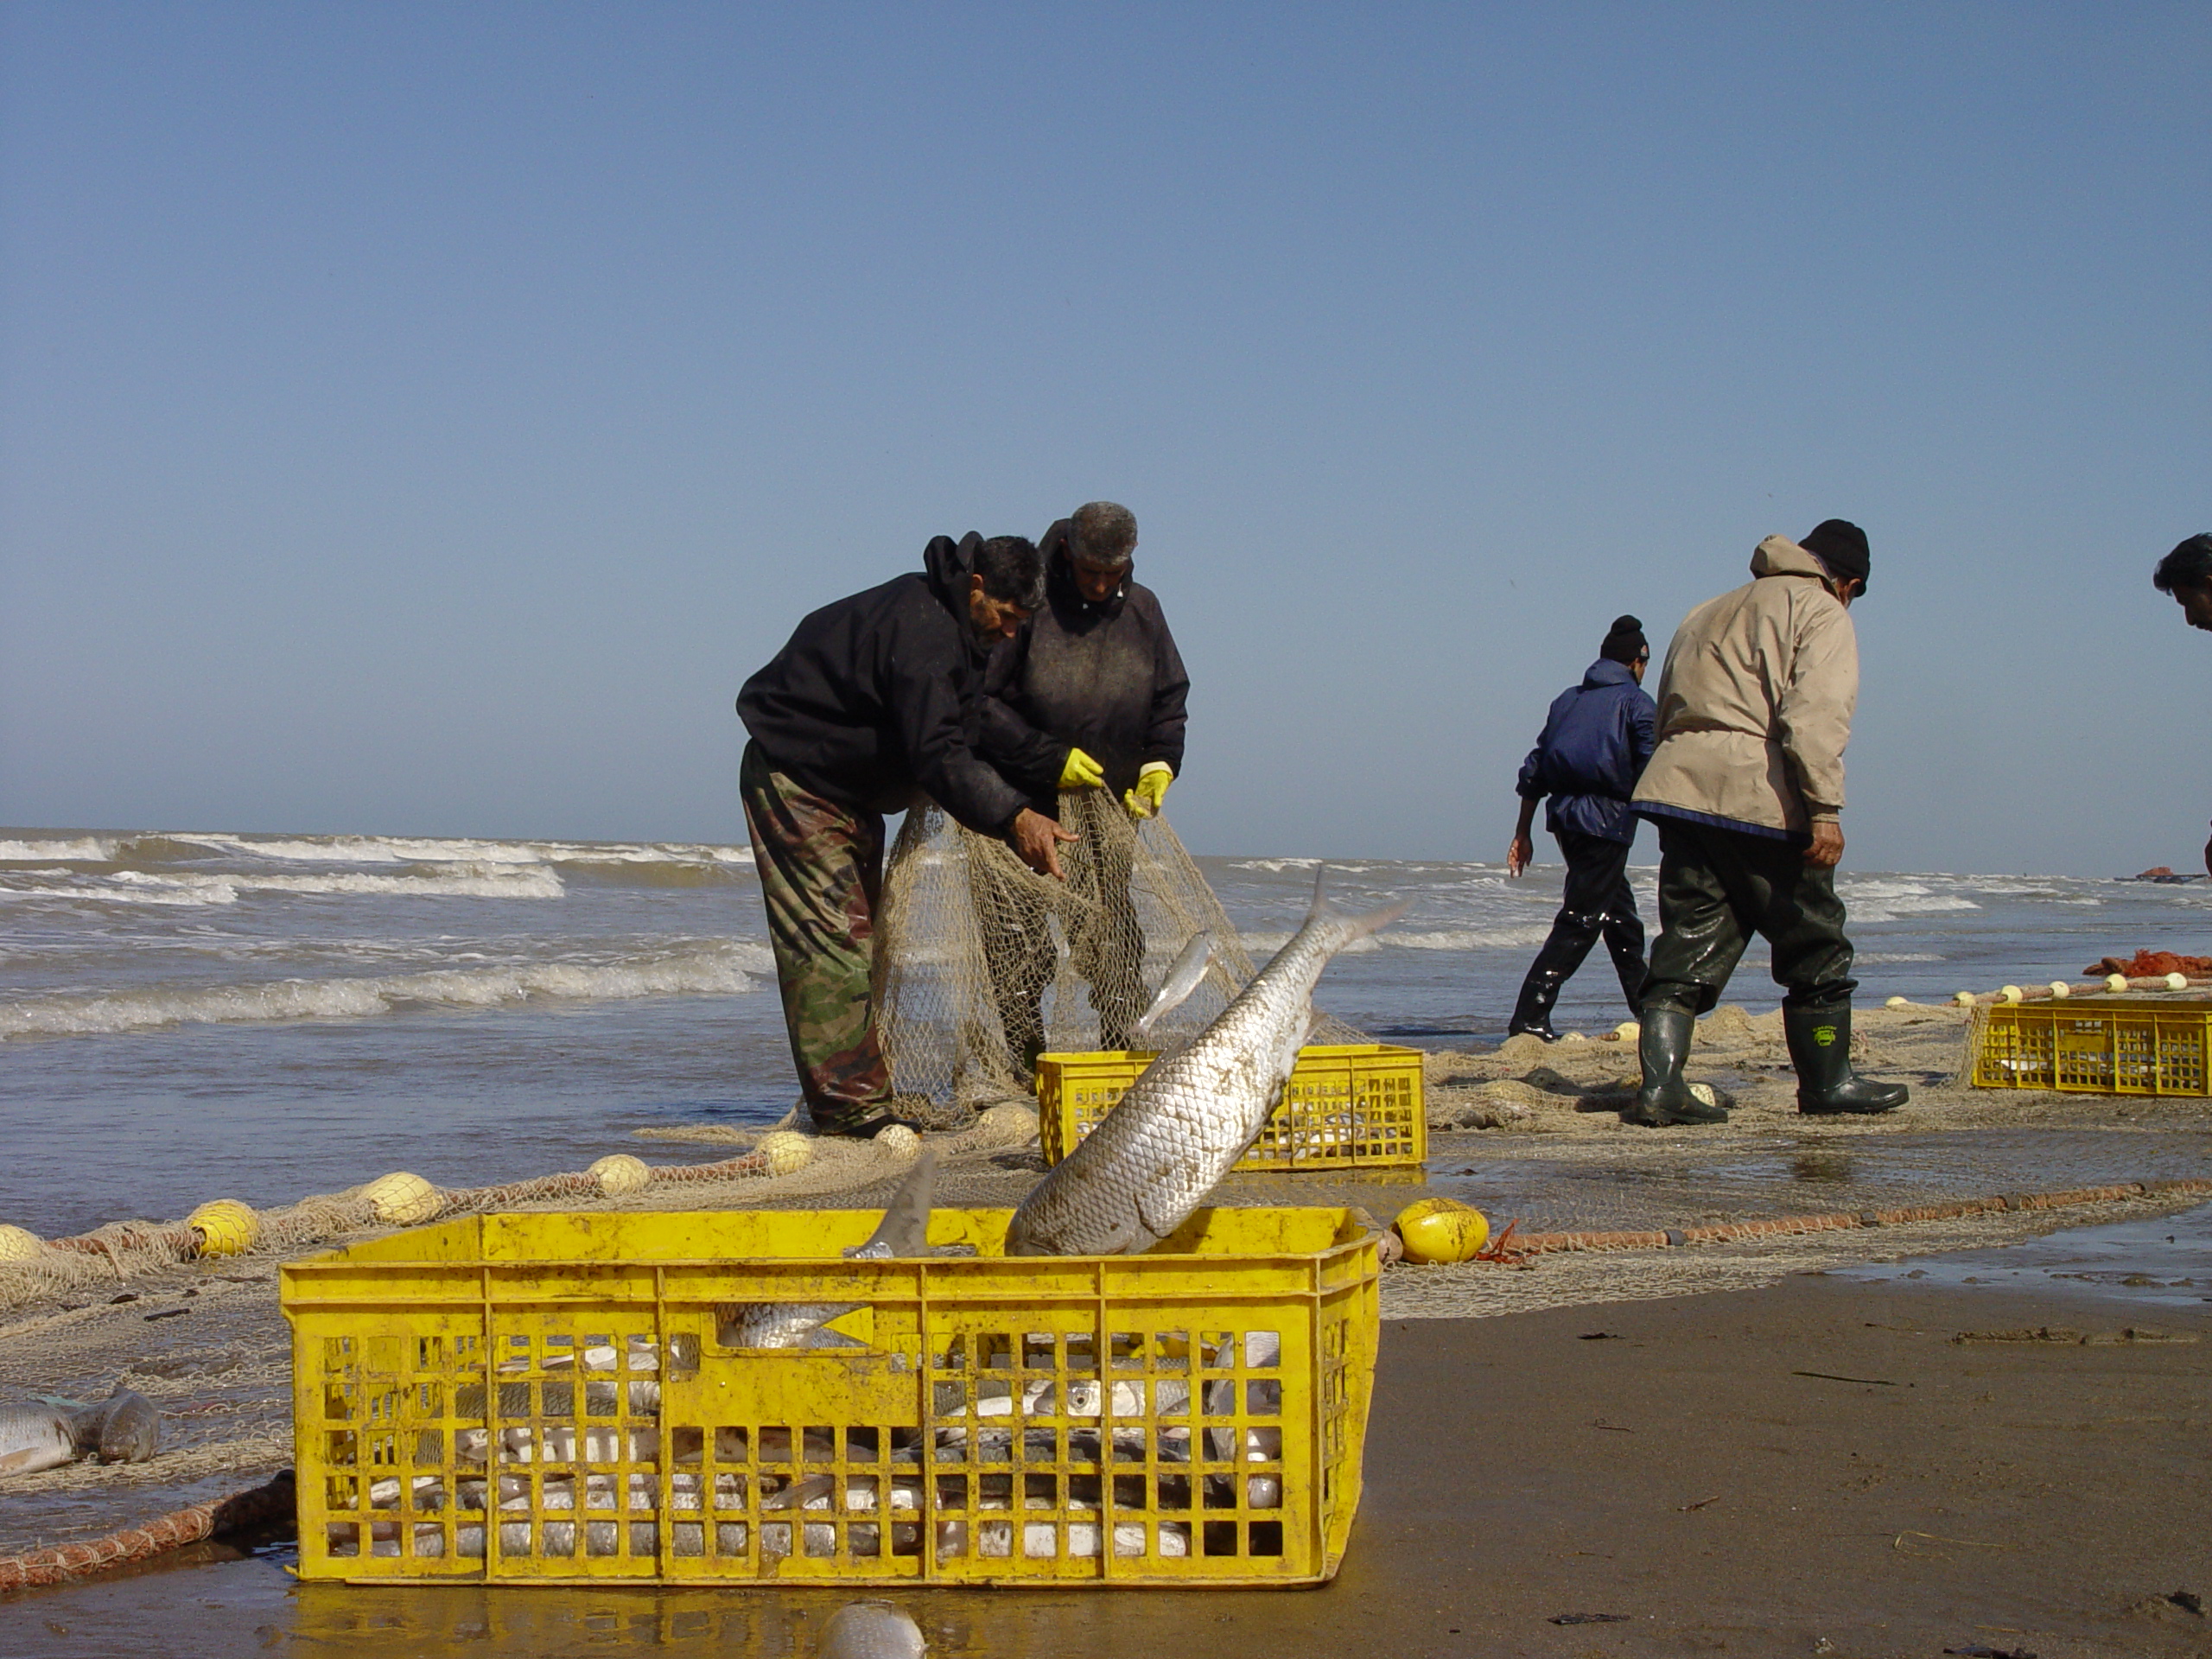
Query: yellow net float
x,y
401,1198
20,1243
1442,1229
225,1227
618,1175
786,1151
2115,983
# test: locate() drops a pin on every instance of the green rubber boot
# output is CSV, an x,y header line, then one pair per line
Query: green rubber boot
x,y
1665,1100
1820,1047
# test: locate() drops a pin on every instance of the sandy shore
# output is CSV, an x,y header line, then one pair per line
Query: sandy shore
x,y
1682,1471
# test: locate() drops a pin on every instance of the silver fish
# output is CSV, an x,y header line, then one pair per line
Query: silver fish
x,y
783,1325
871,1629
1183,976
34,1437
1152,1159
904,1231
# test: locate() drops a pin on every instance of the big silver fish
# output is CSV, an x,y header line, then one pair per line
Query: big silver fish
x,y
1151,1161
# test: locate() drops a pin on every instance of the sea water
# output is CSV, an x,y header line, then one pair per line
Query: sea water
x,y
185,1015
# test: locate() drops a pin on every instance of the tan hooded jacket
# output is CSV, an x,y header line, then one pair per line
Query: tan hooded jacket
x,y
1755,702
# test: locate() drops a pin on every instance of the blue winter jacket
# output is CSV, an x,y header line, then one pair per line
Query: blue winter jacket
x,y
1595,741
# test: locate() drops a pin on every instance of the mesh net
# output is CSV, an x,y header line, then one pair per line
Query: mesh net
x,y
982,964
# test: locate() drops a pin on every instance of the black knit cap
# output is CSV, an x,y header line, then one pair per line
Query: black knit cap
x,y
1625,642
1840,545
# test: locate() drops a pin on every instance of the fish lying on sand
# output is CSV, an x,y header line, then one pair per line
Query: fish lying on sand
x,y
1153,1159
34,1437
904,1231
123,1428
871,1629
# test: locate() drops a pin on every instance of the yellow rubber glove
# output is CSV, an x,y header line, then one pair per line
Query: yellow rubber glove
x,y
1152,789
1079,771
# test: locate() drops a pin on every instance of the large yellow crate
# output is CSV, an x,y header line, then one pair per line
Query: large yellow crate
x,y
1347,1106
560,1398
2095,1045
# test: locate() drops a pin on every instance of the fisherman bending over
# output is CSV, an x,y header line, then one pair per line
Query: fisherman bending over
x,y
1594,743
2186,572
1088,695
873,704
1747,787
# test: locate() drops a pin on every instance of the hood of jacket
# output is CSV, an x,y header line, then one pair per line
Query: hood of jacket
x,y
1607,672
1060,589
949,564
1778,556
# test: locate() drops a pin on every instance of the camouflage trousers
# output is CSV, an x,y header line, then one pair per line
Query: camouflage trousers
x,y
821,870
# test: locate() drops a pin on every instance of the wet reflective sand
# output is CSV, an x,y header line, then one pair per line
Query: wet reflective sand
x,y
1762,1472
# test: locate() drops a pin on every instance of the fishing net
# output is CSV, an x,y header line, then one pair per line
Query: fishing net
x,y
982,964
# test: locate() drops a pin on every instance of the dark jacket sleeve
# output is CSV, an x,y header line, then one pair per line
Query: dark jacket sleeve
x,y
1530,785
1030,758
933,728
1170,691
1643,729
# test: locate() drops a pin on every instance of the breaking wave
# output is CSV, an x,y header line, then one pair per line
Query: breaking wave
x,y
724,968
145,888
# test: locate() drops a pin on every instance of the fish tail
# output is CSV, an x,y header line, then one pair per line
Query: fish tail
x,y
1341,926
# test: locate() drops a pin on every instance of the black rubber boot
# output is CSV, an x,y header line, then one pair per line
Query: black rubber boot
x,y
1533,1012
1665,1100
1820,1047
1573,934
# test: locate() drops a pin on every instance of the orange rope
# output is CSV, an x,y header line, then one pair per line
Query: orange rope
x,y
258,1506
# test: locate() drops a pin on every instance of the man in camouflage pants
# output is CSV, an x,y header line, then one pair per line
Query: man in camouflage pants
x,y
871,705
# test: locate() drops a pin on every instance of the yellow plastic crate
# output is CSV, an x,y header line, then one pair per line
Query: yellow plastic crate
x,y
558,1399
1347,1106
2095,1045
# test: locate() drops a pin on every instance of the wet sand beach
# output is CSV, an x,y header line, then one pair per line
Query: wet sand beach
x,y
1821,1465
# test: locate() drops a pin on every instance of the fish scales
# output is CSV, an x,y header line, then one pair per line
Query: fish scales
x,y
1167,1142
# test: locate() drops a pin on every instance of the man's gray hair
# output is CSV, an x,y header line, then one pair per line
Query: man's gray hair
x,y
1102,533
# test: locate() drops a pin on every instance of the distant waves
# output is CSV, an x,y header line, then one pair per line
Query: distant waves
x,y
718,967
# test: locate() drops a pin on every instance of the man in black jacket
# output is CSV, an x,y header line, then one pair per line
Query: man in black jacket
x,y
1088,695
1593,745
873,704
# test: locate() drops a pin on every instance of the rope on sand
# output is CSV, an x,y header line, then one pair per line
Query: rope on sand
x,y
262,1506
1841,1220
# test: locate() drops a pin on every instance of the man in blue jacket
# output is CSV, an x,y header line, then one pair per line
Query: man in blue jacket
x,y
1594,743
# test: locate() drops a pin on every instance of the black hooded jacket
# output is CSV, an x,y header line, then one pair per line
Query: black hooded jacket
x,y
1106,679
879,695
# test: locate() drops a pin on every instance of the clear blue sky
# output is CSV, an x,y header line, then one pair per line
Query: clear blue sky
x,y
422,418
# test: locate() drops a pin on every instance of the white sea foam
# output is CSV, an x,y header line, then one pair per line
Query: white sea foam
x,y
83,849
147,888
418,849
1276,866
1878,900
722,967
